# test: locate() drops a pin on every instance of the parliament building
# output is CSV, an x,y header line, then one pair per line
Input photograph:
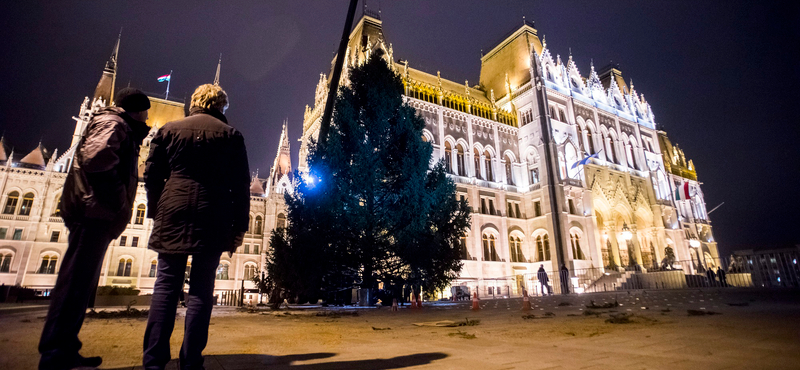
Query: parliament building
x,y
604,193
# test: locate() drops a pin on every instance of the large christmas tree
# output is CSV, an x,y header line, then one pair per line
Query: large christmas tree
x,y
371,209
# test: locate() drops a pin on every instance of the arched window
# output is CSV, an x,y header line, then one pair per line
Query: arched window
x,y
533,168
5,261
610,149
546,248
580,137
542,248
222,271
124,267
589,144
460,161
515,249
448,157
571,158
11,203
27,204
489,248
249,271
575,240
562,166
259,225
629,155
153,268
140,211
487,157
281,221
477,159
48,265
509,174
463,247
57,209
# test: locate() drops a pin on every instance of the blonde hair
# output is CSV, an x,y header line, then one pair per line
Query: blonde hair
x,y
210,96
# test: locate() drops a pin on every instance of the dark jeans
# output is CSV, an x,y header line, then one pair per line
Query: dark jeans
x,y
199,302
76,282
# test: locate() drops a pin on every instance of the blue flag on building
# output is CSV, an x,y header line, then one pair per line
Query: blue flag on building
x,y
585,160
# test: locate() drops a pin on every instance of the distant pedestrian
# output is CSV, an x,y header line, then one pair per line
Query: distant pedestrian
x,y
723,277
96,205
197,180
564,275
544,280
712,281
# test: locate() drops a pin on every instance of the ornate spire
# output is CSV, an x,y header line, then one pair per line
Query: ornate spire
x,y
283,162
105,87
219,64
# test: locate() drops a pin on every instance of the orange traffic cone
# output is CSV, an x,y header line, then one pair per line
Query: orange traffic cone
x,y
419,301
526,303
475,305
413,300
394,305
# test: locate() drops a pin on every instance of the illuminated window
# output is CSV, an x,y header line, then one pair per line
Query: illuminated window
x,y
57,209
489,248
488,163
27,204
448,158
509,174
140,211
460,161
11,203
249,271
124,267
515,249
48,264
153,267
259,225
5,262
222,271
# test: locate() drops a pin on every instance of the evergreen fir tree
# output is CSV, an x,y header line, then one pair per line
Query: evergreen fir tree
x,y
371,208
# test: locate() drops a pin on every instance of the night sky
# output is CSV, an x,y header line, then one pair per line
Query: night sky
x,y
721,76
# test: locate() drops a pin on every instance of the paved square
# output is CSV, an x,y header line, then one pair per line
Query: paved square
x,y
752,330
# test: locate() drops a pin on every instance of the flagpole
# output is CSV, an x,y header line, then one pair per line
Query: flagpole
x,y
166,96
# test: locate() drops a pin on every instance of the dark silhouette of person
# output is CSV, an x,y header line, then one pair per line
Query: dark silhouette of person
x,y
722,275
96,205
544,280
564,275
198,183
712,281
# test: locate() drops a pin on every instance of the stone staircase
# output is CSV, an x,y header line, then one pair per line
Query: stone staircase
x,y
612,281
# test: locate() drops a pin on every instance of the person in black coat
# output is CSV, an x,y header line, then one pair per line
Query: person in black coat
x,y
96,205
712,281
544,280
197,180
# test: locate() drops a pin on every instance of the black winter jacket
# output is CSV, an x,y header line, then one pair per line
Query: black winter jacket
x,y
197,180
101,184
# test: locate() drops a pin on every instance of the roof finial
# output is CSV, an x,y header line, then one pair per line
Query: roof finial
x,y
216,77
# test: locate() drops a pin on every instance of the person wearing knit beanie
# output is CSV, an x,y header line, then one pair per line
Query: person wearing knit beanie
x,y
132,100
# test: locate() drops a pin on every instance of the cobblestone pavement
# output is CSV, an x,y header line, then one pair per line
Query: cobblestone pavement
x,y
728,329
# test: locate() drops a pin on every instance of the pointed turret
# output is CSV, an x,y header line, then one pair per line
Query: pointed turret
x,y
281,174
219,64
105,87
37,158
256,187
3,150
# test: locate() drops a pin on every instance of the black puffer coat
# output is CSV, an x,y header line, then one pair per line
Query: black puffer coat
x,y
197,180
101,184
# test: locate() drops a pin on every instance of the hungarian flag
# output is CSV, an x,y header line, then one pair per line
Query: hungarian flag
x,y
682,192
164,78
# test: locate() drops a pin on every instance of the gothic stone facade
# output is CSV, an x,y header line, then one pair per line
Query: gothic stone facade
x,y
617,211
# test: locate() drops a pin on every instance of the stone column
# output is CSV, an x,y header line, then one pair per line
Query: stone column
x,y
614,250
637,249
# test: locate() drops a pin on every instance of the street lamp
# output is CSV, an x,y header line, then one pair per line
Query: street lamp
x,y
626,232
